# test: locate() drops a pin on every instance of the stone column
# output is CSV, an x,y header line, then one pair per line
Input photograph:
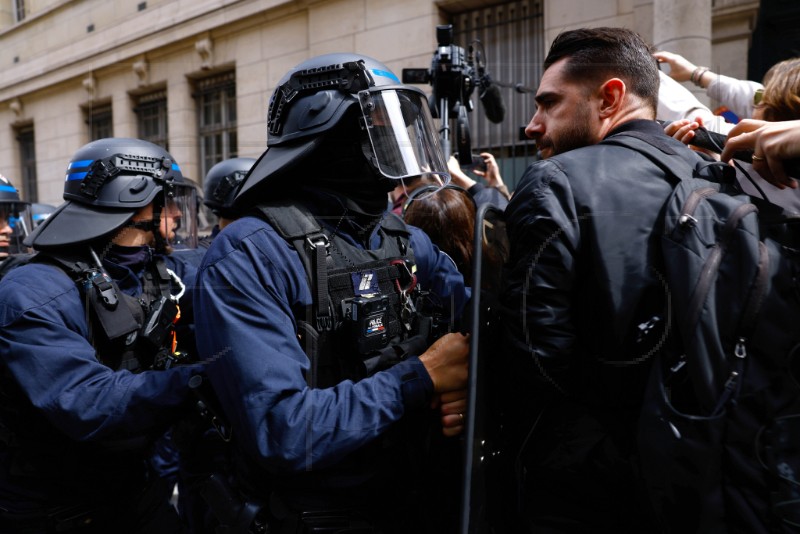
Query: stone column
x,y
684,27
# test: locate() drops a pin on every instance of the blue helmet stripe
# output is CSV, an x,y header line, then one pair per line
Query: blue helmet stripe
x,y
385,74
77,176
175,167
7,189
80,163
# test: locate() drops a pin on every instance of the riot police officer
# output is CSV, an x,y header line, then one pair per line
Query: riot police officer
x,y
15,223
219,191
318,309
86,338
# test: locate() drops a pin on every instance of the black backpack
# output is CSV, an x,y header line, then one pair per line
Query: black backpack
x,y
720,427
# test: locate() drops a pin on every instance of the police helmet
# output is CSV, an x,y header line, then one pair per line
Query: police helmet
x,y
15,221
40,212
399,139
222,183
107,181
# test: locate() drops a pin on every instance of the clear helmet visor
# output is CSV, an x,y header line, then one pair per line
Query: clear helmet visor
x,y
179,220
15,225
402,135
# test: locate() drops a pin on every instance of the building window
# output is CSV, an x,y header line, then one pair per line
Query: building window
x,y
19,10
216,105
99,120
511,36
27,159
151,117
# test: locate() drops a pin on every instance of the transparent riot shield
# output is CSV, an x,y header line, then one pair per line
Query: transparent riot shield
x,y
490,253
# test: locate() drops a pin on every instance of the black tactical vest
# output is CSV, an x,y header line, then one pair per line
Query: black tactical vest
x,y
127,333
133,333
365,302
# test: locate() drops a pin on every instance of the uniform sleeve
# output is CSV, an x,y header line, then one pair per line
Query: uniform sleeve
x,y
246,291
544,234
437,273
44,346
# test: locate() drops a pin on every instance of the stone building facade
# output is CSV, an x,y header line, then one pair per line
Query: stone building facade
x,y
196,75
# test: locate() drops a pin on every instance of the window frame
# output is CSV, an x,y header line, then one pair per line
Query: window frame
x,y
153,108
215,98
100,120
26,138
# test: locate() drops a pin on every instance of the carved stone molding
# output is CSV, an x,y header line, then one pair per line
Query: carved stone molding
x,y
205,48
16,107
90,85
141,68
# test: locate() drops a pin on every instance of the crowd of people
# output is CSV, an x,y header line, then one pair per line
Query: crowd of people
x,y
304,368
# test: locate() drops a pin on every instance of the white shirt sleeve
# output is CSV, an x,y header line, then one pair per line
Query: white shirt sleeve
x,y
676,102
736,95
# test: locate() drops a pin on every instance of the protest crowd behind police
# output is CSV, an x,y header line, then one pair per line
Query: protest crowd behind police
x,y
304,369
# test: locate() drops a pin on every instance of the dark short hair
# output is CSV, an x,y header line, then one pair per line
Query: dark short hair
x,y
597,54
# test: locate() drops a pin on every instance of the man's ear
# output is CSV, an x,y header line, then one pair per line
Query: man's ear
x,y
611,93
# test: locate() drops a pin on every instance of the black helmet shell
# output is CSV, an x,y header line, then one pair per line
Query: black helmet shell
x,y
120,173
222,183
9,196
310,101
313,97
107,181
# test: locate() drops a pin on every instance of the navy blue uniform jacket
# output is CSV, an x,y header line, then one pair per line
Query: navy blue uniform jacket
x,y
79,408
250,281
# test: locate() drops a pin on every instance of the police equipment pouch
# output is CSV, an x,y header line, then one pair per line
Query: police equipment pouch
x,y
158,324
101,293
158,334
103,299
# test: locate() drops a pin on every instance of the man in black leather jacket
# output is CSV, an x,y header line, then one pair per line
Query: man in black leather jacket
x,y
583,292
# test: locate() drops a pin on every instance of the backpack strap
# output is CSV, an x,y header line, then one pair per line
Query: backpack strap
x,y
658,151
682,172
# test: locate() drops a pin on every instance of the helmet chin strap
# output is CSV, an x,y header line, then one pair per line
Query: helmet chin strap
x,y
153,226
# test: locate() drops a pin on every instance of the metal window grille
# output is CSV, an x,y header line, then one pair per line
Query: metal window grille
x,y
216,107
19,10
100,123
151,117
27,159
512,37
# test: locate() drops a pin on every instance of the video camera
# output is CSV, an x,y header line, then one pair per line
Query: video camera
x,y
454,76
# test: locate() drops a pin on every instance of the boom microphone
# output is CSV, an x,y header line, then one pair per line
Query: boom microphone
x,y
492,100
